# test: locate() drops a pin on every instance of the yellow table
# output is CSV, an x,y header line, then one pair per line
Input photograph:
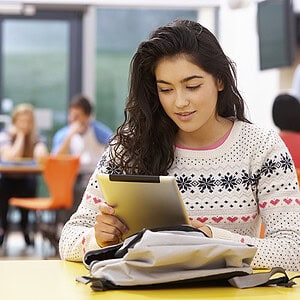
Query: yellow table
x,y
55,280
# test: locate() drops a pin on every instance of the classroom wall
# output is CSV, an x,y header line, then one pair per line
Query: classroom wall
x,y
239,39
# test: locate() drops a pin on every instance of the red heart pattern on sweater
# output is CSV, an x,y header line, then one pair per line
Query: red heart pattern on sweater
x,y
274,202
96,200
232,219
254,216
217,219
263,205
202,220
288,201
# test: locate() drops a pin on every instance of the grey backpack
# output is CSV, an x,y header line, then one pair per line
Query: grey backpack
x,y
175,256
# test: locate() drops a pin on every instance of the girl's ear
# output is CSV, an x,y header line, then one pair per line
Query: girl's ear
x,y
220,85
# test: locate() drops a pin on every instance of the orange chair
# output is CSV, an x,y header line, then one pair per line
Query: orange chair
x,y
298,174
59,174
262,231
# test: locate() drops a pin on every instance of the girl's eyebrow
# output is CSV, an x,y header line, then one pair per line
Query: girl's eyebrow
x,y
182,81
190,78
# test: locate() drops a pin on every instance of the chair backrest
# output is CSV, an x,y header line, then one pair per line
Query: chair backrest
x,y
60,174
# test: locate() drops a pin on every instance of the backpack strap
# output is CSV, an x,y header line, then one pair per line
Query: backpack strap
x,y
243,281
100,254
119,250
131,241
263,279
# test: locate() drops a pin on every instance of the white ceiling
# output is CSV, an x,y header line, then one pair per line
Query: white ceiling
x,y
157,3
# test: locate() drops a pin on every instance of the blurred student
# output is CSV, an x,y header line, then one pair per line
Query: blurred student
x,y
286,116
20,141
84,137
185,117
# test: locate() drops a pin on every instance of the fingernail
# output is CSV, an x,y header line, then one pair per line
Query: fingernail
x,y
111,210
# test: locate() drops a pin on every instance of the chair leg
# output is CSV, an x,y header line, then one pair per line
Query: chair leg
x,y
49,231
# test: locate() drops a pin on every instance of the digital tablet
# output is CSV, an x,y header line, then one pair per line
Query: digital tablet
x,y
144,201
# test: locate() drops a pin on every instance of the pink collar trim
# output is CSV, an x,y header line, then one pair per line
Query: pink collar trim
x,y
210,147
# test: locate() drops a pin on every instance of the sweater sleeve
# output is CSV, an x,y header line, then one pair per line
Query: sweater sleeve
x,y
78,235
279,209
58,139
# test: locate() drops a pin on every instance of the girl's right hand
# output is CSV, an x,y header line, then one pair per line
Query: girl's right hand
x,y
109,230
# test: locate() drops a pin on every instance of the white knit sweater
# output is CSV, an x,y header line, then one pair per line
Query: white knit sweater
x,y
249,178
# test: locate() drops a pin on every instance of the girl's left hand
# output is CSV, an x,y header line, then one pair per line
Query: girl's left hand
x,y
109,229
201,226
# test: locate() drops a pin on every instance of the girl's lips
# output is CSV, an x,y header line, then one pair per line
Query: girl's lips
x,y
184,116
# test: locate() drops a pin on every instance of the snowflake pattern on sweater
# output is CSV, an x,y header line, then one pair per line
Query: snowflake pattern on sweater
x,y
248,179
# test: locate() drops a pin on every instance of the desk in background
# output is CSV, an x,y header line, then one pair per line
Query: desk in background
x,y
21,169
55,279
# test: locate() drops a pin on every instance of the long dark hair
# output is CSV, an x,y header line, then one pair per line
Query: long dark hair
x,y
144,143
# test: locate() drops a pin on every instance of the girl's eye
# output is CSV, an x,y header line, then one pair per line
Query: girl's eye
x,y
193,87
164,90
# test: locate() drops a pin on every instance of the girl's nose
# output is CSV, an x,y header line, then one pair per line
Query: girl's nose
x,y
181,100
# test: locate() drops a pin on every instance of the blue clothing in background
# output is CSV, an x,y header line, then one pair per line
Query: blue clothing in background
x,y
102,132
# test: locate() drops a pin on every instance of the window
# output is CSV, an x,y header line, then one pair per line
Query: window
x,y
40,62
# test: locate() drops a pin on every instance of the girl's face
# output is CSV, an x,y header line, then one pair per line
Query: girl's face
x,y
24,122
188,95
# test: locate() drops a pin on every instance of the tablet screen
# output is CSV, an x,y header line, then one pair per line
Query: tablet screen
x,y
144,201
